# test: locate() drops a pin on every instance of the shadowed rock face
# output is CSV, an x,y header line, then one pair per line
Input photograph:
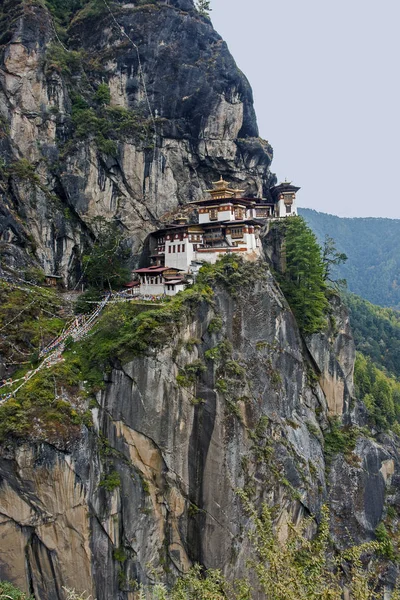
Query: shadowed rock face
x,y
174,73
152,485
181,453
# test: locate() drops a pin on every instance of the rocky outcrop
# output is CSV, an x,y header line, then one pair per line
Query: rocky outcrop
x,y
152,487
190,112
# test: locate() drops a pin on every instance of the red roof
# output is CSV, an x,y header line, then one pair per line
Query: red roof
x,y
132,284
155,269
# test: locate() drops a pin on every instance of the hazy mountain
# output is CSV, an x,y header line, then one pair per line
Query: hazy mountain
x,y
373,249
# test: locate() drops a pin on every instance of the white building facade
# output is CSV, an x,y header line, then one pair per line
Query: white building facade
x,y
227,223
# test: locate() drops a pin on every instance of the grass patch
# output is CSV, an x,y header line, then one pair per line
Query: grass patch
x,y
340,440
42,409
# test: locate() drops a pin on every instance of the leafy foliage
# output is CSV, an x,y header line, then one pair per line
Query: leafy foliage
x,y
379,392
203,7
339,440
64,10
303,281
231,272
111,481
373,249
107,263
10,592
376,332
299,568
41,409
29,318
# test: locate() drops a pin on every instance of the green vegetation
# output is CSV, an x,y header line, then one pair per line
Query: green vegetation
x,y
379,392
304,279
339,440
10,592
67,63
119,555
30,318
232,273
111,481
376,332
230,376
106,265
23,169
41,409
383,537
92,117
373,249
126,330
215,325
189,374
203,7
64,10
295,569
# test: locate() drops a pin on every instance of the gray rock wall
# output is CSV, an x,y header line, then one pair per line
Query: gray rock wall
x,y
194,116
182,452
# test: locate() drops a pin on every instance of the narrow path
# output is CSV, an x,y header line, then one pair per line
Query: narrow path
x,y
52,354
77,329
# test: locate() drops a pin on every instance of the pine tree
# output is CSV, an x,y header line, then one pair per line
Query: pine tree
x,y
303,281
106,265
203,7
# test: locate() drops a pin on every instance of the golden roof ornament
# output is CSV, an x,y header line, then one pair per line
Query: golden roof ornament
x,y
221,189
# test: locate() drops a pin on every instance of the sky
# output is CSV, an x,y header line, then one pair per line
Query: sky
x,y
327,95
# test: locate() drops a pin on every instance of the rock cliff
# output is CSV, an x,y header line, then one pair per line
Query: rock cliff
x,y
235,399
131,116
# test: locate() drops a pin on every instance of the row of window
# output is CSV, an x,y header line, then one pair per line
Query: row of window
x,y
239,214
177,248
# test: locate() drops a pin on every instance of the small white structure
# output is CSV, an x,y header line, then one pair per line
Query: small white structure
x,y
159,281
227,223
284,196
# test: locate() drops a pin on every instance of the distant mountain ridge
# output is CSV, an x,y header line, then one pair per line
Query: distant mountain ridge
x,y
373,249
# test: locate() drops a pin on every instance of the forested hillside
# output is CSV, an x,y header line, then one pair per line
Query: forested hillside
x,y
373,249
376,332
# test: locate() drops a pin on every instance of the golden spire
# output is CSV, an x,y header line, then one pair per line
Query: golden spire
x,y
221,190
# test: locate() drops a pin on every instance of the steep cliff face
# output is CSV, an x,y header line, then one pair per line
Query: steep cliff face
x,y
136,113
234,400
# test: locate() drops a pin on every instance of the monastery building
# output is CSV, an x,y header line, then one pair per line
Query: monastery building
x,y
227,223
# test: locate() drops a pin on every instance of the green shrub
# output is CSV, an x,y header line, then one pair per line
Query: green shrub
x,y
386,544
23,169
9,592
119,554
189,374
103,94
220,352
215,325
339,440
233,273
111,481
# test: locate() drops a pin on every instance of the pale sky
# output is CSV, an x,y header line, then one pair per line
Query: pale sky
x,y
326,87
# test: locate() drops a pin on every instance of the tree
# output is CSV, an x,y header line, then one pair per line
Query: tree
x,y
331,258
203,7
106,265
299,568
303,281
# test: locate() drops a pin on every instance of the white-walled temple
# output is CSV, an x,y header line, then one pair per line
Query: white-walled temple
x,y
228,222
